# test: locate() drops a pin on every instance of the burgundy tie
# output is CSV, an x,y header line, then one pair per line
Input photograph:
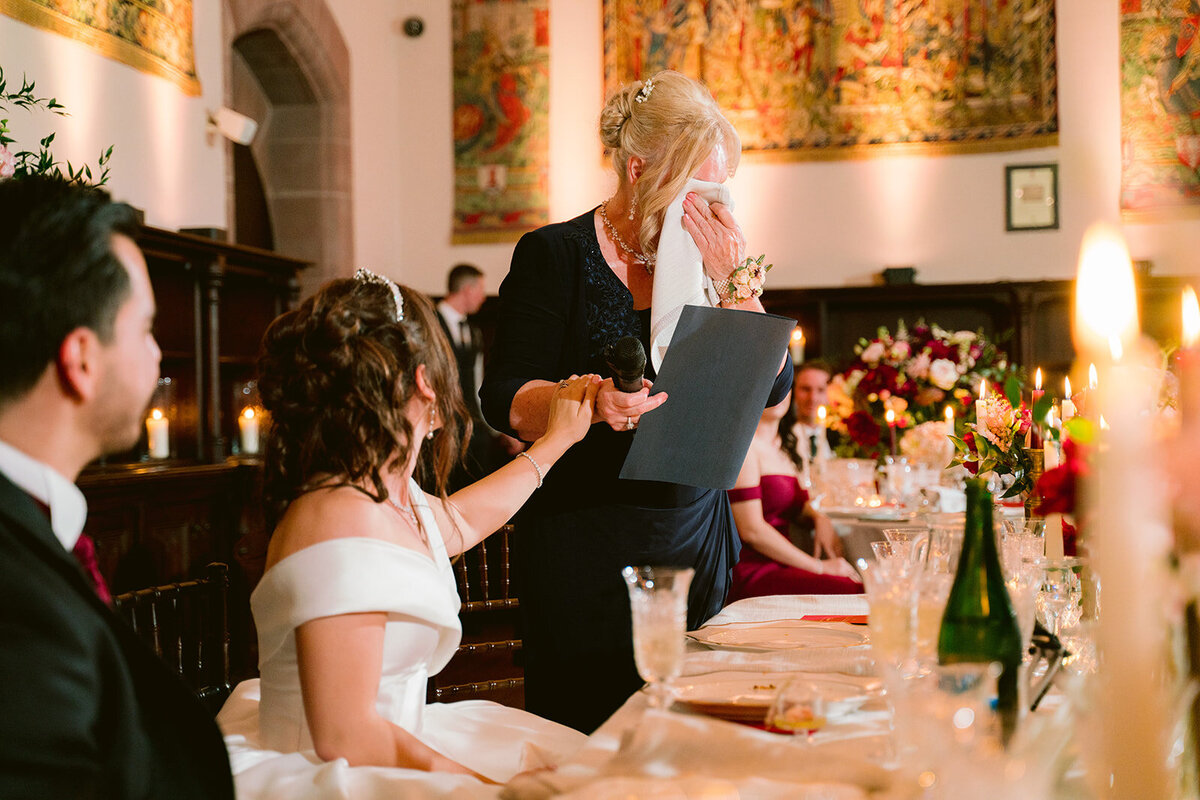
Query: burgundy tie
x,y
85,553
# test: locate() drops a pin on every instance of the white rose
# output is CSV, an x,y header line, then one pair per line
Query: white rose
x,y
943,374
919,366
873,353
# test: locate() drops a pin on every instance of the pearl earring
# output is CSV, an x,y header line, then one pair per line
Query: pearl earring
x,y
432,421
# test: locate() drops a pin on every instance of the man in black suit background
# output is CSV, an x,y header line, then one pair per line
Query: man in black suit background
x,y
465,294
86,708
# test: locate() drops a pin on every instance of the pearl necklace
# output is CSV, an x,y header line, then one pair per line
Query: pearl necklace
x,y
638,256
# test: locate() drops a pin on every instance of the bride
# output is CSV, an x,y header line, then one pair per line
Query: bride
x,y
358,605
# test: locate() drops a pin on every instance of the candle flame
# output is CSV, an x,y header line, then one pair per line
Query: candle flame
x,y
1191,318
821,413
248,413
1067,388
1114,347
798,334
1037,379
949,414
890,416
1103,423
1093,380
156,414
1105,292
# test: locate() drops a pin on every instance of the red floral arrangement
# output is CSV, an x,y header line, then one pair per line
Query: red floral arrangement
x,y
1058,490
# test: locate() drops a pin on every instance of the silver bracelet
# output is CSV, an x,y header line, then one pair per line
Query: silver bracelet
x,y
537,468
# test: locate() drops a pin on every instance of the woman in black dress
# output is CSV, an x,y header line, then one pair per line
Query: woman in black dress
x,y
573,288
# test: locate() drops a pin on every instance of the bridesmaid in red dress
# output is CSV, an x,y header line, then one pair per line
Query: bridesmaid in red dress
x,y
766,500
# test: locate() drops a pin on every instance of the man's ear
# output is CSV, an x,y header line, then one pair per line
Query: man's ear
x,y
634,169
78,363
423,386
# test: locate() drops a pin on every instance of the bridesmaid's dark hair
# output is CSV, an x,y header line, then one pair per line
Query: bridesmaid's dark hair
x,y
787,435
336,375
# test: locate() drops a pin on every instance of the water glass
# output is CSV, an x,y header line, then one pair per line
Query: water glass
x,y
913,540
945,546
891,585
1059,595
658,603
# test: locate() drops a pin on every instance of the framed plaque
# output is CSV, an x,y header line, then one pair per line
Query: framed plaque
x,y
1031,199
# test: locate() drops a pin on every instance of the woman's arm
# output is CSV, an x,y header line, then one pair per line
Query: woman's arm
x,y
479,509
340,659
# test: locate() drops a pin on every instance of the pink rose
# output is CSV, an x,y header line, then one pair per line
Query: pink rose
x,y
8,162
943,374
873,352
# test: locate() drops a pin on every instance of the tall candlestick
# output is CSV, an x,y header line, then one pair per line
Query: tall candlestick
x,y
1187,361
157,433
948,413
979,403
1128,512
890,416
1035,430
1054,536
248,431
796,345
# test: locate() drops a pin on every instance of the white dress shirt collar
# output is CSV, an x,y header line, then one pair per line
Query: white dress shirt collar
x,y
454,318
68,507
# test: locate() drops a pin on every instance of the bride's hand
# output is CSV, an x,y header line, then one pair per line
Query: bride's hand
x,y
571,408
716,233
623,410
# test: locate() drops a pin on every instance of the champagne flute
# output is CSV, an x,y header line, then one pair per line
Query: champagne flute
x,y
658,603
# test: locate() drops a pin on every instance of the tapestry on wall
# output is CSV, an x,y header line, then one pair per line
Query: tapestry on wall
x,y
501,118
154,36
1160,108
821,79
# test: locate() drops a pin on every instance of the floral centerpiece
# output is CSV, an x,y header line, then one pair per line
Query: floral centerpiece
x,y
14,163
995,441
915,373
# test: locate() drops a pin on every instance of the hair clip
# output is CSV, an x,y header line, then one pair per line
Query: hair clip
x,y
644,93
366,276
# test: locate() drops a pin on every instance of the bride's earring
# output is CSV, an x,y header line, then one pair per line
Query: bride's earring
x,y
632,207
432,421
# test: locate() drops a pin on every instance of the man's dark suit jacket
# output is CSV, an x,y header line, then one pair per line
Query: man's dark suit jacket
x,y
86,708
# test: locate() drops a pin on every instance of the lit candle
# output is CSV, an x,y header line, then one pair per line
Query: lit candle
x,y
248,431
821,415
949,414
979,403
1127,522
157,432
1035,430
890,416
1188,362
1054,536
796,345
1093,378
1068,404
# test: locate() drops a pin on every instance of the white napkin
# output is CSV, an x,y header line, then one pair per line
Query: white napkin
x,y
679,276
789,606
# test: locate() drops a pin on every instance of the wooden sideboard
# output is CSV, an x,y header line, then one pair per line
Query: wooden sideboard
x,y
160,520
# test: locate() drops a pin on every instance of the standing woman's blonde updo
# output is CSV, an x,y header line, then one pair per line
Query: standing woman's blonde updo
x,y
673,129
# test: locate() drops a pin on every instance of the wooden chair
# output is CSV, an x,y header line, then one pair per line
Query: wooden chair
x,y
487,664
187,625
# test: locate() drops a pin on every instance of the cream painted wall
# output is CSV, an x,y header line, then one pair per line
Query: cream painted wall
x,y
820,223
161,162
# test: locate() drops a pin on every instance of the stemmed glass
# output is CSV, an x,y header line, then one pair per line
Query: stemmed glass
x,y
797,707
658,602
1059,591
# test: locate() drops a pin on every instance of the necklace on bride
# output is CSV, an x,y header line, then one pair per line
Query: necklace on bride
x,y
406,510
638,256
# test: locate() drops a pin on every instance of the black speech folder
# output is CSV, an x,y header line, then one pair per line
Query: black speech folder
x,y
718,372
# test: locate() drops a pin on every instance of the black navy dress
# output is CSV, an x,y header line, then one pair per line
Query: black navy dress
x,y
559,306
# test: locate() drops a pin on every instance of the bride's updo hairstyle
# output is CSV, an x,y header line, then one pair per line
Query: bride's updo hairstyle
x,y
336,375
673,124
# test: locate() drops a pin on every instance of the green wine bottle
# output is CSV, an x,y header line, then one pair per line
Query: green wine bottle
x,y
979,624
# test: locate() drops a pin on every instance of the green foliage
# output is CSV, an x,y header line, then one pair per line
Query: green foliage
x,y
41,161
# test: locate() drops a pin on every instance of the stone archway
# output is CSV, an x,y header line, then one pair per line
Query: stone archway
x,y
288,67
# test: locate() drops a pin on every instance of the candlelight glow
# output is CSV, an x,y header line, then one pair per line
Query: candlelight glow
x,y
1093,380
1103,423
1114,347
798,335
248,413
890,416
1105,293
949,414
1191,318
156,414
1037,379
983,389
821,414
1067,388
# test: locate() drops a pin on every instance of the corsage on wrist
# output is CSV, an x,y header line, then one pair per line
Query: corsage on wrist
x,y
744,282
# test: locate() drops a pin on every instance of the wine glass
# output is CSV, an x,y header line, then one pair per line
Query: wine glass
x,y
1058,592
658,602
797,707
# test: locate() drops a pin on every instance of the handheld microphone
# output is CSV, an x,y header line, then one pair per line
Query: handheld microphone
x,y
626,359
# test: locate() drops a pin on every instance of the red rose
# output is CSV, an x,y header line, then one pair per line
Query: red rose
x,y
862,429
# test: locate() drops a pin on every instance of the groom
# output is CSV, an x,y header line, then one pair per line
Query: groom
x,y
86,709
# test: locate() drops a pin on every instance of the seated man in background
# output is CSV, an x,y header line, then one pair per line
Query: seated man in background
x,y
86,708
810,391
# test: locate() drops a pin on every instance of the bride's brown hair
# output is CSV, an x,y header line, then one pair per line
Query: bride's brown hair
x,y
336,375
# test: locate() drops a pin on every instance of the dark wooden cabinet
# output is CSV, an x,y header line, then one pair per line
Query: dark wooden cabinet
x,y
161,520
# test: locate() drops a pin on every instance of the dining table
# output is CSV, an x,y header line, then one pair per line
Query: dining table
x,y
713,740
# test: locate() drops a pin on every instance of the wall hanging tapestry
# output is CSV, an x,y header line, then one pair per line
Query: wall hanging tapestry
x,y
501,118
822,79
154,36
1160,109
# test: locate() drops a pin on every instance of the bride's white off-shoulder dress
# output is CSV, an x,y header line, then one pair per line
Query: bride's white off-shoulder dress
x,y
270,748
